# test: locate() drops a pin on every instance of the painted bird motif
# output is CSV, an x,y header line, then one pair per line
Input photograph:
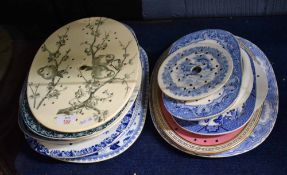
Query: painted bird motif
x,y
50,72
101,66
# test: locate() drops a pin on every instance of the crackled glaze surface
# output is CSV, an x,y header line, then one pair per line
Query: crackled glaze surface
x,y
83,75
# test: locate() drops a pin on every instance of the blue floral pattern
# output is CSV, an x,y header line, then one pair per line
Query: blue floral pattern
x,y
211,74
230,91
226,122
40,148
269,111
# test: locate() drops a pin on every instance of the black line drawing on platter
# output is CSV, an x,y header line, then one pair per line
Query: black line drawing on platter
x,y
104,69
52,72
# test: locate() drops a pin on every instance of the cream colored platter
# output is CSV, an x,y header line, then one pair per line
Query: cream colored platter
x,y
83,75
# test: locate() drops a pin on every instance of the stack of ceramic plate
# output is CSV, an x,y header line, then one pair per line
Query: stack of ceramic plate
x,y
85,99
214,94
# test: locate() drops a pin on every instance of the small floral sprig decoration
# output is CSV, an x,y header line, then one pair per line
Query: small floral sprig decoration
x,y
52,71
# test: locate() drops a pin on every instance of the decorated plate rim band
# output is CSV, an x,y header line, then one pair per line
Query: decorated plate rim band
x,y
101,56
223,38
165,131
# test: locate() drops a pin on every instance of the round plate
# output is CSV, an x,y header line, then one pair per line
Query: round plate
x,y
270,106
197,138
217,104
129,135
46,133
83,75
167,133
233,119
195,71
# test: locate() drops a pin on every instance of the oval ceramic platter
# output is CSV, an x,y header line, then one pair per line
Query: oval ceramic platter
x,y
43,133
201,67
239,115
83,75
109,144
225,96
173,138
245,90
270,105
267,118
196,138
195,71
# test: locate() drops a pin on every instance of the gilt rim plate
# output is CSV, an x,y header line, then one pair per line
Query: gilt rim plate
x,y
83,74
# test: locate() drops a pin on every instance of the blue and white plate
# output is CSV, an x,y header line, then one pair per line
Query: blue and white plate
x,y
270,106
195,71
83,148
111,143
200,66
235,118
231,88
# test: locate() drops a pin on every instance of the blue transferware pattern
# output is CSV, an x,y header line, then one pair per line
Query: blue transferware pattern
x,y
55,153
199,69
269,111
115,144
226,122
230,90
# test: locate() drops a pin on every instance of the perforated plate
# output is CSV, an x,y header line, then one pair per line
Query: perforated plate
x,y
195,71
238,115
226,95
167,133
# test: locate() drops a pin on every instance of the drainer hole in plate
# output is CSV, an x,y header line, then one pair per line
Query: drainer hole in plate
x,y
196,70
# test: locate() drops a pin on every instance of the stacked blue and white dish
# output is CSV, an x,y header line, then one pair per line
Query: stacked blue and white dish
x,y
214,94
85,98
